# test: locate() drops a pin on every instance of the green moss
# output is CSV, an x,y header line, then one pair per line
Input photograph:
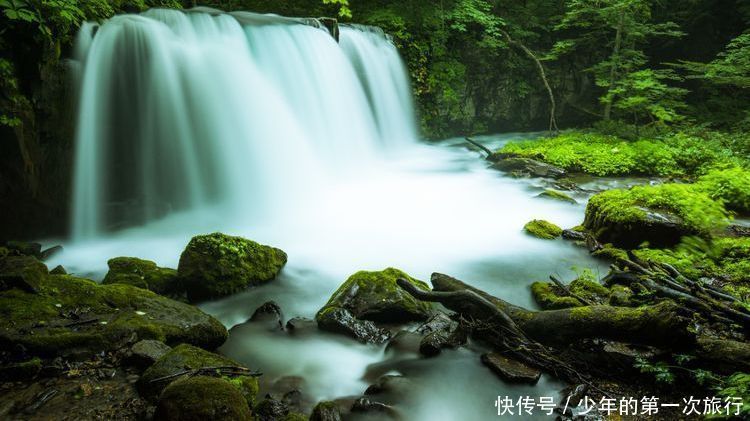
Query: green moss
x,y
730,186
142,274
589,289
21,371
556,195
216,265
325,410
187,357
543,229
610,252
38,321
548,296
620,296
376,296
295,416
202,398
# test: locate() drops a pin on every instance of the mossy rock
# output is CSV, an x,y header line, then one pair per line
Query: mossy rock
x,y
375,296
21,371
548,297
202,398
70,315
142,274
326,411
659,215
187,357
610,252
295,416
543,229
23,272
556,195
216,265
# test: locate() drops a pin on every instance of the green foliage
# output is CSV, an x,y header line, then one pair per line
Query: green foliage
x,y
731,186
543,229
644,92
737,386
660,370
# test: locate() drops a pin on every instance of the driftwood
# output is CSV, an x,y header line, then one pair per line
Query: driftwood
x,y
211,371
480,146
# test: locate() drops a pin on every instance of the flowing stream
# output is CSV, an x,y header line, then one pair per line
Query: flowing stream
x,y
266,127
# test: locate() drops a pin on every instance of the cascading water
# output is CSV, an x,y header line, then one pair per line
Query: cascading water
x,y
265,127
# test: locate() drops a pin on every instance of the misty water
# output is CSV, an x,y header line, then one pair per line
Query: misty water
x,y
267,128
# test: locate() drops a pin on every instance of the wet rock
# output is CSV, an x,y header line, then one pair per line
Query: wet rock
x,y
526,167
202,398
58,270
290,391
339,320
574,235
147,352
391,384
216,265
735,230
23,272
71,315
511,371
184,358
404,341
326,411
365,405
47,253
376,296
142,274
270,409
301,325
556,195
440,332
25,248
269,313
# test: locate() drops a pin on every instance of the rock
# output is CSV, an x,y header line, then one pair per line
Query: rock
x,y
376,296
511,371
23,272
71,315
25,248
187,357
556,195
58,270
390,384
216,265
326,411
47,253
440,332
340,320
573,235
142,274
735,230
543,229
202,398
365,405
404,341
269,313
526,167
301,325
270,409
147,352
289,390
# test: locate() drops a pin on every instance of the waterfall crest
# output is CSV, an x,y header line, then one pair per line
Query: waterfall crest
x,y
238,112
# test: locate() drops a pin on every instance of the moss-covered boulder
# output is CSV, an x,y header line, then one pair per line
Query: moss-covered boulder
x,y
660,215
216,265
375,296
556,195
326,411
202,398
70,315
187,357
142,274
23,272
543,229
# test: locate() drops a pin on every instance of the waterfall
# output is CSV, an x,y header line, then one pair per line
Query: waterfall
x,y
246,114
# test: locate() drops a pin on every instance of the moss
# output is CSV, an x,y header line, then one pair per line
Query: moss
x,y
295,416
548,296
39,321
21,371
730,186
202,398
142,274
187,357
217,265
24,272
556,195
620,296
324,411
376,296
543,229
589,289
610,252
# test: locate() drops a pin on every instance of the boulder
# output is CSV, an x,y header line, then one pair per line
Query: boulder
x,y
58,270
440,332
526,167
326,411
270,314
69,315
270,409
375,296
23,272
146,352
216,265
301,325
49,252
377,409
202,398
340,320
511,371
556,195
543,229
25,248
187,357
142,274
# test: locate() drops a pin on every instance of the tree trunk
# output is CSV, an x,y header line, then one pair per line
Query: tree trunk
x,y
614,67
540,68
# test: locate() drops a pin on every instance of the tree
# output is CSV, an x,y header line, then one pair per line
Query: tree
x,y
628,27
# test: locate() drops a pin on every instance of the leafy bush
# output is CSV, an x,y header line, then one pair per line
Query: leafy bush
x,y
730,186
